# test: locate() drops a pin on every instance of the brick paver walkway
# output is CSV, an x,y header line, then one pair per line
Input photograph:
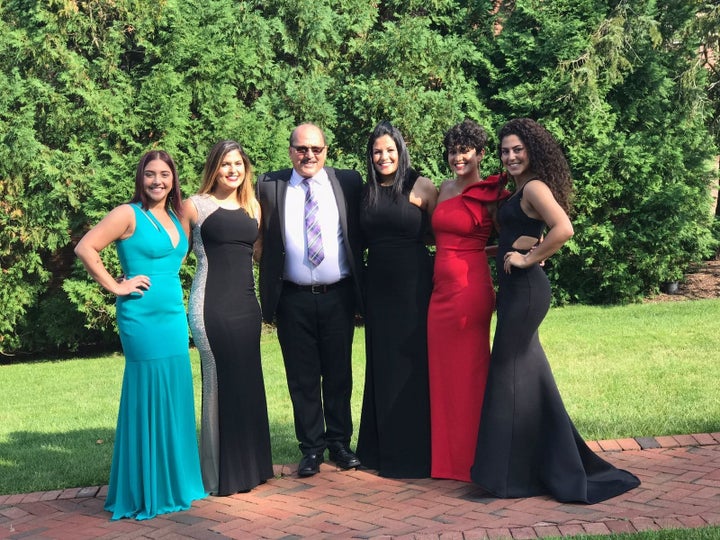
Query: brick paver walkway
x,y
680,489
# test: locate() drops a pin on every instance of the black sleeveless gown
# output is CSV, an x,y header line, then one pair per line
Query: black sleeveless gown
x,y
394,435
527,444
224,315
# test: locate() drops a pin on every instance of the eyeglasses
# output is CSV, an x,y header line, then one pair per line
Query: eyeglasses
x,y
303,150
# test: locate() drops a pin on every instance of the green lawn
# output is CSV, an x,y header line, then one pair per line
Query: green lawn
x,y
638,370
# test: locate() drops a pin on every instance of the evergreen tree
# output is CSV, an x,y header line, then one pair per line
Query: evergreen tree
x,y
630,89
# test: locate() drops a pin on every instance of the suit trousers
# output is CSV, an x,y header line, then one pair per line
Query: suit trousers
x,y
315,332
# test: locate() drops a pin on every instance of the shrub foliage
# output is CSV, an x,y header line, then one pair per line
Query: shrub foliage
x,y
88,85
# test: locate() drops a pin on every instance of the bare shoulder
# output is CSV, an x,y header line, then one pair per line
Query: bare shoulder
x,y
447,188
190,211
424,194
425,185
426,189
446,184
123,213
189,205
539,202
118,224
536,187
537,192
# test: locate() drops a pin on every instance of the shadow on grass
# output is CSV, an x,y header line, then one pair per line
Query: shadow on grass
x,y
32,461
38,461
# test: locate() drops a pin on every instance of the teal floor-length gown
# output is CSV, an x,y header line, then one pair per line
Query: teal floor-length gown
x,y
156,466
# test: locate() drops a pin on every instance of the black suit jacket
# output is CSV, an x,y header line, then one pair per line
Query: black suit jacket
x,y
271,190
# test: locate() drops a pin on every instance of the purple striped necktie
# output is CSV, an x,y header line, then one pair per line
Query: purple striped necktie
x,y
312,226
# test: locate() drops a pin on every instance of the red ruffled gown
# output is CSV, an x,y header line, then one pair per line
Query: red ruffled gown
x,y
459,316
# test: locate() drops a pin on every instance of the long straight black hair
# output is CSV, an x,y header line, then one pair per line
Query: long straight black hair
x,y
404,170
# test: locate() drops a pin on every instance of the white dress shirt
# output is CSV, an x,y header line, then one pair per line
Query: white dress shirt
x,y
298,268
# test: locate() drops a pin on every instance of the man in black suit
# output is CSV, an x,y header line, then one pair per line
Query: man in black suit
x,y
309,285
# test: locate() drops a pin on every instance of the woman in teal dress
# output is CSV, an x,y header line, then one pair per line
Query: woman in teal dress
x,y
155,467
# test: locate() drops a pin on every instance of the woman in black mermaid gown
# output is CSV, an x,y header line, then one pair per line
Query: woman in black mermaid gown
x,y
225,321
394,436
527,444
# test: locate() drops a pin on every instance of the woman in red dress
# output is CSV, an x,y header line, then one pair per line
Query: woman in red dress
x,y
461,304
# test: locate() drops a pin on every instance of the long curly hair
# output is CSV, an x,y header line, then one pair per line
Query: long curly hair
x,y
546,157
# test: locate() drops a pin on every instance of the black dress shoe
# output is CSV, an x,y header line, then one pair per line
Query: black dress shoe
x,y
344,458
310,464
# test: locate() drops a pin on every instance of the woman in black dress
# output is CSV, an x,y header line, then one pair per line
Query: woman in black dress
x,y
394,436
527,444
225,322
